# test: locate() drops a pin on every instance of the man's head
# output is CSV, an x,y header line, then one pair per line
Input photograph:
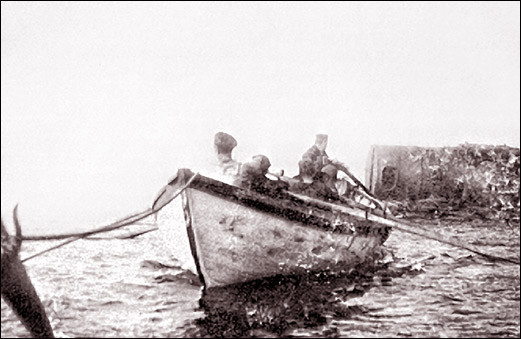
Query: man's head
x,y
254,172
263,162
321,141
224,143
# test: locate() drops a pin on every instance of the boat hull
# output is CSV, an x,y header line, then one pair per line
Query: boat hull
x,y
233,243
237,235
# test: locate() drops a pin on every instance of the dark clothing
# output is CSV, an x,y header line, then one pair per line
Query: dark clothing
x,y
312,162
253,176
310,167
317,189
272,188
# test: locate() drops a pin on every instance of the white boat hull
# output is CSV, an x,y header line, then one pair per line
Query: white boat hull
x,y
233,243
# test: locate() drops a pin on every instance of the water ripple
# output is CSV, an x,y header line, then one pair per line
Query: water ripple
x,y
136,288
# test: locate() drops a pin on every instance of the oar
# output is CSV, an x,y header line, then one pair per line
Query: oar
x,y
365,192
408,227
399,225
124,237
137,234
344,169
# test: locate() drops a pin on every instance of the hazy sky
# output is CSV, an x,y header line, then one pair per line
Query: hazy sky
x,y
103,101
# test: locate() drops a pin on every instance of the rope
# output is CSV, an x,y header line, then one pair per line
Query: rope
x,y
86,234
175,195
107,228
121,223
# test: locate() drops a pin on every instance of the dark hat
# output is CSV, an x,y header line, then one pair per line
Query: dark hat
x,y
224,142
263,160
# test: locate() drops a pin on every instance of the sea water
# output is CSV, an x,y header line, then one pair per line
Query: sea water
x,y
146,287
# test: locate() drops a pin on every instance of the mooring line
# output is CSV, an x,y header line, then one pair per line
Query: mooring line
x,y
138,216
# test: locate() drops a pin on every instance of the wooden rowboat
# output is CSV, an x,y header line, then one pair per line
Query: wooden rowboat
x,y
237,235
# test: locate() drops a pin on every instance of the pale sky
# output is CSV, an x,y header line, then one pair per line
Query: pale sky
x,y
103,101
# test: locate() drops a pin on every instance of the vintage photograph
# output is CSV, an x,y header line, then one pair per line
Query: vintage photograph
x,y
266,169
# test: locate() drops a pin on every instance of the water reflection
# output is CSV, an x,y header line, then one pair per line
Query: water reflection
x,y
279,305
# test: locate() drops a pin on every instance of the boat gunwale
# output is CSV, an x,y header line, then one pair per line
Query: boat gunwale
x,y
288,206
259,202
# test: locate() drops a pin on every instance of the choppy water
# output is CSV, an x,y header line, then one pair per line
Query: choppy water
x,y
138,288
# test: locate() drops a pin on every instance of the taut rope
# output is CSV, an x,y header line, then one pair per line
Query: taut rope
x,y
118,224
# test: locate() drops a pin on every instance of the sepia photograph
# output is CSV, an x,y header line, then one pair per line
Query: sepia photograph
x,y
270,169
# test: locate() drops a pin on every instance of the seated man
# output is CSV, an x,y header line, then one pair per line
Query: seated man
x,y
314,160
318,173
225,169
224,145
252,175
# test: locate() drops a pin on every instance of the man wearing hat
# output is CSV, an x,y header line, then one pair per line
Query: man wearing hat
x,y
315,158
224,145
253,176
